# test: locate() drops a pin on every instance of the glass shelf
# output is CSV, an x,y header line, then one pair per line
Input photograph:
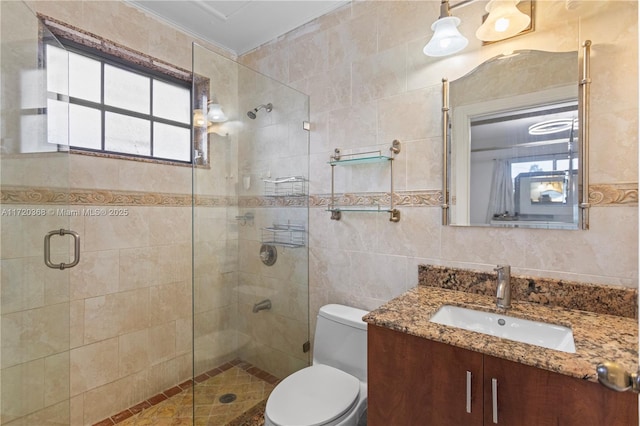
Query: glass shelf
x,y
336,211
361,160
364,158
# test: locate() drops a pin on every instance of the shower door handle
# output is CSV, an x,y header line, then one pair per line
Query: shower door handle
x,y
47,249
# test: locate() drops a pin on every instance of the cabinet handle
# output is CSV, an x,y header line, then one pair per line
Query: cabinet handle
x,y
468,391
614,376
494,399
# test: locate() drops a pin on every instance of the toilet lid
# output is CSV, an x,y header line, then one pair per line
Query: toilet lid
x,y
312,396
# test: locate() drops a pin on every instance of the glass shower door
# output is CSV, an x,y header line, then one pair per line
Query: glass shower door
x,y
251,287
34,166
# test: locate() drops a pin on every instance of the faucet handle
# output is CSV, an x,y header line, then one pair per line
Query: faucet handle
x,y
503,270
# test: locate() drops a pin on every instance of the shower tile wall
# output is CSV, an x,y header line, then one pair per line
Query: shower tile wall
x,y
130,300
369,83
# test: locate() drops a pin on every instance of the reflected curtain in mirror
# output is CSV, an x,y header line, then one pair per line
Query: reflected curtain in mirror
x,y
501,197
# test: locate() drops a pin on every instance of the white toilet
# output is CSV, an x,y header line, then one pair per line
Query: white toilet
x,y
333,391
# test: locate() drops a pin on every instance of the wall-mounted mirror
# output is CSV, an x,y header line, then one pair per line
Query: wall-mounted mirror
x,y
514,143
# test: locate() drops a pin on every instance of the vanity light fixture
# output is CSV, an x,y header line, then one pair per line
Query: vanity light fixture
x,y
446,39
504,21
215,114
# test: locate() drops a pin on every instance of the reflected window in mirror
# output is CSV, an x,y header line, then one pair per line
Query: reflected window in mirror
x,y
513,145
511,150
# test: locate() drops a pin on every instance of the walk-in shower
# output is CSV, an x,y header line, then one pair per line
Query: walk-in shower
x,y
159,308
252,113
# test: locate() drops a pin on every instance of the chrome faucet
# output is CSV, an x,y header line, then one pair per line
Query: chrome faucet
x,y
503,291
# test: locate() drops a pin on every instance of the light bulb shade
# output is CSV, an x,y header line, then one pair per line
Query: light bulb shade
x,y
446,39
505,20
215,114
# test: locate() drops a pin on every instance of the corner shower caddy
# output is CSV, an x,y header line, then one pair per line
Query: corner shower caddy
x,y
288,186
285,235
337,159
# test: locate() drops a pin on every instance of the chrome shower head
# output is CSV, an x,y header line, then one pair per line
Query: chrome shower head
x,y
252,114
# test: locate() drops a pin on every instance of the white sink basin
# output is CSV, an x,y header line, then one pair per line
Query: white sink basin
x,y
549,336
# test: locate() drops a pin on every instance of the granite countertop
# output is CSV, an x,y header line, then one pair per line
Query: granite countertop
x,y
598,337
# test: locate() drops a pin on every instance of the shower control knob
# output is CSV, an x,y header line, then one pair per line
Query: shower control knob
x,y
268,254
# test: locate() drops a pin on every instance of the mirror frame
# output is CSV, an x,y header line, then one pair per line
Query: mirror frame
x,y
584,83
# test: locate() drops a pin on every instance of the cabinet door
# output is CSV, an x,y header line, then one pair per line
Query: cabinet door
x,y
414,381
528,396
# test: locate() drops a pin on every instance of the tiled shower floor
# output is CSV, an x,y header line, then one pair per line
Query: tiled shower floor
x,y
250,385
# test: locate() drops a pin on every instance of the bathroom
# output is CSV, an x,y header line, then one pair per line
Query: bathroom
x,y
368,83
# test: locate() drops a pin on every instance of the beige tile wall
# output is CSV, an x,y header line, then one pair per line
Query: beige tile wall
x,y
369,83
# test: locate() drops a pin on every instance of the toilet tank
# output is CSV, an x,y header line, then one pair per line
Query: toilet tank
x,y
341,340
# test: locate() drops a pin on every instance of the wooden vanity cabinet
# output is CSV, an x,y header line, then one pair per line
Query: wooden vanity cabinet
x,y
415,381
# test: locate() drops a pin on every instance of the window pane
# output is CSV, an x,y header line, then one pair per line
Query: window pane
x,y
171,142
57,122
57,75
85,127
564,164
84,77
125,89
171,102
127,134
531,166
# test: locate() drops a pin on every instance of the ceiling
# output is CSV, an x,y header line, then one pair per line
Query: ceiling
x,y
510,130
237,25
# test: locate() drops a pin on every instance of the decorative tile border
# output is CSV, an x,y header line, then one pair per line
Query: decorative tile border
x,y
613,194
427,198
277,201
602,299
253,417
34,195
601,195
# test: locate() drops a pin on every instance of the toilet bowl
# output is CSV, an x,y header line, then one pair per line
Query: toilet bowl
x,y
333,390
